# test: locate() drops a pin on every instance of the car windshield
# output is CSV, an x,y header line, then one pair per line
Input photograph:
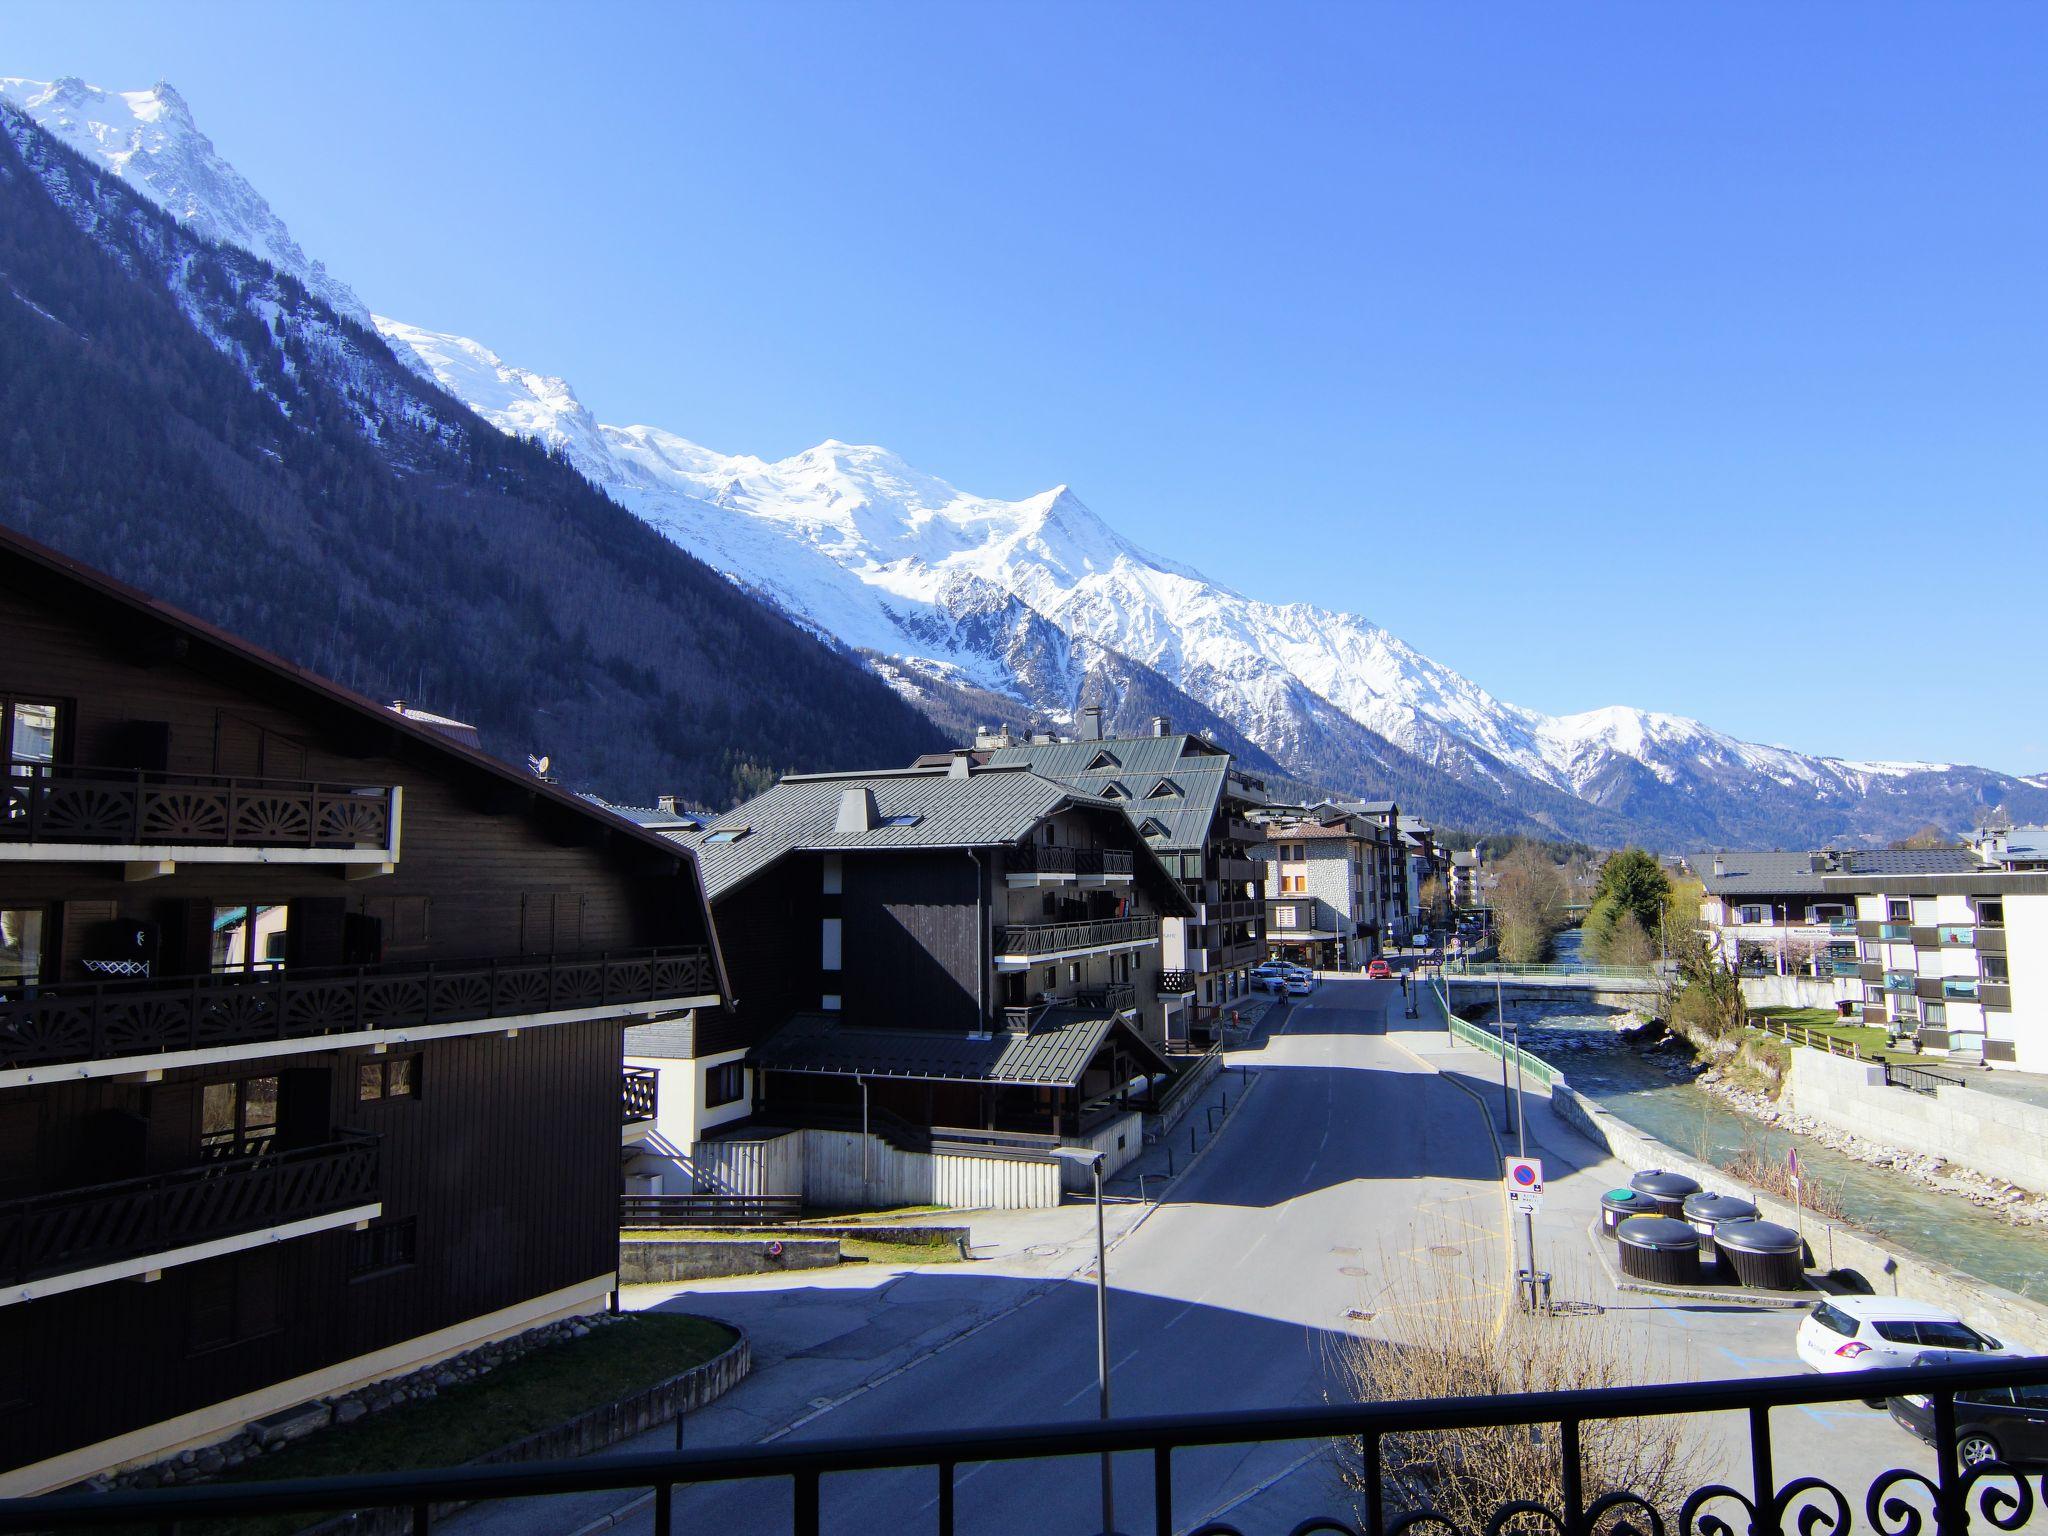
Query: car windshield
x,y
1835,1320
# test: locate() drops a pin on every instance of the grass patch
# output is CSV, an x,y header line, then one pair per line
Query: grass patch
x,y
1868,1038
537,1392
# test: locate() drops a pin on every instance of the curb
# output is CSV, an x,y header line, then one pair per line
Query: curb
x,y
1739,1296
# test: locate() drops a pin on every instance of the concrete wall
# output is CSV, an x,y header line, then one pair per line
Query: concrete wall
x,y
656,1259
1793,992
1603,993
1119,1141
826,1168
1984,1131
1887,1270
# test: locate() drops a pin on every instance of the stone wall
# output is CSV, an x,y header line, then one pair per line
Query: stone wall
x,y
1886,1269
653,1260
1985,1131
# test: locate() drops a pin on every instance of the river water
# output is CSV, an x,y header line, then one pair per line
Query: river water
x,y
1636,1087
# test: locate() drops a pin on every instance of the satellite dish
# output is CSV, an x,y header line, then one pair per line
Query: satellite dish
x,y
539,765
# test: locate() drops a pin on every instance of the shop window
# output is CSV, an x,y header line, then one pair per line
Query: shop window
x,y
239,1118
382,1247
725,1084
388,1077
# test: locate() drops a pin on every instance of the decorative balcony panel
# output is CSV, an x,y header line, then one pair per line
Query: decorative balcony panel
x,y
1175,983
639,1094
119,807
87,1021
1044,939
77,1229
1040,859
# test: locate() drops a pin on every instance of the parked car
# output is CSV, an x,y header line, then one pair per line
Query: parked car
x,y
1862,1333
1269,981
1300,985
2008,1424
1379,970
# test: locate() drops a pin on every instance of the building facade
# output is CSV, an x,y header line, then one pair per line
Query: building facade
x,y
310,1031
1330,887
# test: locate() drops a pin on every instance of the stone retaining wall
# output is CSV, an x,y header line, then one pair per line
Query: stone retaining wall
x,y
654,1260
1835,1245
1984,1131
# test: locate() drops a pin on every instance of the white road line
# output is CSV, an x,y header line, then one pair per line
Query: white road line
x,y
1096,1386
1183,1312
1254,1248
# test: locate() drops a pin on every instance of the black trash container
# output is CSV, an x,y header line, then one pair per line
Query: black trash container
x,y
1669,1190
1660,1249
1706,1211
1762,1254
1617,1205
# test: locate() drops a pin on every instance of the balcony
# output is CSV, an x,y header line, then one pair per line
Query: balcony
x,y
1104,866
1990,941
1019,945
1959,989
1899,981
52,812
1837,967
1842,925
639,1098
1174,984
1995,994
1111,997
1030,864
79,1237
1956,935
124,1026
1893,933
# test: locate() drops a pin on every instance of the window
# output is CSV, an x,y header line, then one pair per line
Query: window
x,y
382,1247
1991,912
1749,914
28,729
233,1300
1952,1336
21,944
1284,917
1835,1320
899,821
833,874
830,931
1898,1333
725,1084
1165,789
726,834
1994,968
1115,791
250,938
1102,760
237,1119
388,1077
1899,910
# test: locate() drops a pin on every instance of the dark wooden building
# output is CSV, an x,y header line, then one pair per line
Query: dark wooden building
x,y
310,1031
958,946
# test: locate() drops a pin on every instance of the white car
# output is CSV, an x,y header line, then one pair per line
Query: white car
x,y
1300,985
1269,981
1864,1333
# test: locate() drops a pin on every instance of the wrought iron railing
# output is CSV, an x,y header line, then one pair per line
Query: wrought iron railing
x,y
1057,938
1370,1442
58,803
92,1021
1919,1079
77,1229
639,1094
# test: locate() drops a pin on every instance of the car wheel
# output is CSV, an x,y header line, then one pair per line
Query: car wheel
x,y
1975,1450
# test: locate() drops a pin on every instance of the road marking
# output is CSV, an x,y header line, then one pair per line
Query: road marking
x,y
1096,1386
1256,1243
1183,1312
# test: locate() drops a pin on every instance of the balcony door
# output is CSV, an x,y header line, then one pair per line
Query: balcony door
x,y
243,749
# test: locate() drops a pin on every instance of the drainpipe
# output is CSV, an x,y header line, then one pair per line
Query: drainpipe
x,y
981,956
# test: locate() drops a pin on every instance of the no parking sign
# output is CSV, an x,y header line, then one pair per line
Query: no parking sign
x,y
1525,1183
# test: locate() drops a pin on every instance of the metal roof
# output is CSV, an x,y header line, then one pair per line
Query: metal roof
x,y
1053,1053
933,808
1778,873
1196,771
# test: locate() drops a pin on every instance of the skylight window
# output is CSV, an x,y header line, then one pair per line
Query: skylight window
x,y
899,821
1102,760
1116,792
726,834
1165,789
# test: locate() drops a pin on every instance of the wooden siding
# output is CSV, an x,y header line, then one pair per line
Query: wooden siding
x,y
507,1160
914,947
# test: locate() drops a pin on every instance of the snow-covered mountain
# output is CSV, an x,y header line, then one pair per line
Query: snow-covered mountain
x,y
1041,603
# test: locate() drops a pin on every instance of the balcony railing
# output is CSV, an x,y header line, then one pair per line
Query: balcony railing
x,y
1899,981
1961,987
1388,1452
1175,983
1058,938
1113,996
1104,863
78,1229
92,1021
1039,859
639,1094
57,803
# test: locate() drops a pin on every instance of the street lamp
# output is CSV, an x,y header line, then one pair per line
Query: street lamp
x,y
1093,1158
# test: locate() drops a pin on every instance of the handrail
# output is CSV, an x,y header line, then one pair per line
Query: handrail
x,y
1055,938
140,807
1357,1424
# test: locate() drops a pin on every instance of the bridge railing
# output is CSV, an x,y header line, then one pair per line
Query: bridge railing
x,y
1509,971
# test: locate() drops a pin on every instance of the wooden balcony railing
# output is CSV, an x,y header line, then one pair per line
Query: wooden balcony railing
x,y
639,1094
1113,996
1104,862
1040,859
93,1021
1175,983
77,1229
57,803
1058,938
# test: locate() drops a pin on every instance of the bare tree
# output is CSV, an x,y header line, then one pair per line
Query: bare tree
x,y
1528,903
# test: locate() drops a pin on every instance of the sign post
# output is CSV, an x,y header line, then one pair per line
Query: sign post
x,y
1524,1177
1798,1210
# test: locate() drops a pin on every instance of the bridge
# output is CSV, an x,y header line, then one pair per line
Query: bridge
x,y
1614,986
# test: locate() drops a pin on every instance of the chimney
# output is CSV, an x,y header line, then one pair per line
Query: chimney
x,y
666,803
1720,869
1162,725
962,764
856,810
1091,723
1043,738
1816,862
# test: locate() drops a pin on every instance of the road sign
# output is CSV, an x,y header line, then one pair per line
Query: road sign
x,y
1525,1184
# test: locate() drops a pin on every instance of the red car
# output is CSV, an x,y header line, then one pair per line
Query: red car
x,y
1378,971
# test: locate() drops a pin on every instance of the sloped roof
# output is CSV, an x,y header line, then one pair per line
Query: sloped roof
x,y
1053,1053
1780,873
987,808
1197,768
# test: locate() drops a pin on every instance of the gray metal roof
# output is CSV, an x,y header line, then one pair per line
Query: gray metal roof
x,y
984,809
1778,873
1052,1054
673,1038
2028,843
1194,772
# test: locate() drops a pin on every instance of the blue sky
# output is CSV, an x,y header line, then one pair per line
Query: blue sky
x,y
1687,357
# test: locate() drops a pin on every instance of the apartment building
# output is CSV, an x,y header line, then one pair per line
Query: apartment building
x,y
1328,886
311,1025
1464,872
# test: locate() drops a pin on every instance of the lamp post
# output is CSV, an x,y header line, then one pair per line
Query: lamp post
x,y
1093,1158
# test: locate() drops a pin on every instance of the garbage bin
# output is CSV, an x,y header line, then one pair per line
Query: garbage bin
x,y
1762,1254
1706,1211
1659,1248
1617,1205
1669,1190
